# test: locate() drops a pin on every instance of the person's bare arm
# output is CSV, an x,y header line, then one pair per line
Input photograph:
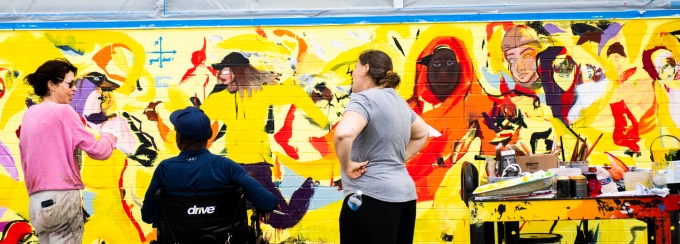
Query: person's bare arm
x,y
349,127
419,131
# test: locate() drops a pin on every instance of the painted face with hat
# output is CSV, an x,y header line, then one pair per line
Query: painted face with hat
x,y
192,124
226,68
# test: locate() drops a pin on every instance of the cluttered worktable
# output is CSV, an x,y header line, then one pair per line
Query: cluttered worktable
x,y
660,214
521,185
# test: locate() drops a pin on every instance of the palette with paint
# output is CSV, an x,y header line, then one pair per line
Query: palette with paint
x,y
523,185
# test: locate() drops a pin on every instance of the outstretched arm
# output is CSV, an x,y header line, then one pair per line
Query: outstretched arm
x,y
83,139
263,200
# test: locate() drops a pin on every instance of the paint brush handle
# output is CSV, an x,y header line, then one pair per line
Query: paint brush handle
x,y
574,154
594,144
562,149
527,151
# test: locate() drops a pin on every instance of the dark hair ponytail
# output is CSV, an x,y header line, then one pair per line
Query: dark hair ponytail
x,y
380,68
391,80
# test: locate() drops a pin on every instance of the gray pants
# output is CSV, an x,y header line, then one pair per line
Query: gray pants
x,y
57,216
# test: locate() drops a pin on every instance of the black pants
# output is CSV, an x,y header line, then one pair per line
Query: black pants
x,y
378,222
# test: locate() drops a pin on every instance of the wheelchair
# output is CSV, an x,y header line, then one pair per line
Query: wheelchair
x,y
206,216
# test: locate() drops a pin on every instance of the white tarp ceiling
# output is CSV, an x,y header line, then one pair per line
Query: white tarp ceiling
x,y
70,10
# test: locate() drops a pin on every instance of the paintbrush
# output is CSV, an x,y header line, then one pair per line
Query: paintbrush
x,y
556,151
562,149
594,144
499,148
518,150
526,148
583,150
574,154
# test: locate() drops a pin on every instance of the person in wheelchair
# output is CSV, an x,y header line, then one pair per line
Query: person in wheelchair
x,y
198,196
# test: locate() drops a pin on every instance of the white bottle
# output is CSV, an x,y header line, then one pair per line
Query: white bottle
x,y
354,201
608,185
660,180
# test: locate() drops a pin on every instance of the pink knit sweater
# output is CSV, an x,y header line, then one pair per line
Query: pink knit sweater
x,y
49,135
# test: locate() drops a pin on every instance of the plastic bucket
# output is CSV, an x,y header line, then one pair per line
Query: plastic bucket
x,y
633,178
666,160
583,165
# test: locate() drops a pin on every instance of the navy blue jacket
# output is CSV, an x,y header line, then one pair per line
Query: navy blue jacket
x,y
201,169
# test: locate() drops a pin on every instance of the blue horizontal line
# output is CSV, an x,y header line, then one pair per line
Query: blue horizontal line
x,y
310,21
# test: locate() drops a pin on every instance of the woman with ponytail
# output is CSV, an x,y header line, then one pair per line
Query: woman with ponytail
x,y
377,134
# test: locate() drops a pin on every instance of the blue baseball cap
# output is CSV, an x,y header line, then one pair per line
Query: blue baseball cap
x,y
191,123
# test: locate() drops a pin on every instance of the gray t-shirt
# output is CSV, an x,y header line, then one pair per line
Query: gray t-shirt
x,y
383,143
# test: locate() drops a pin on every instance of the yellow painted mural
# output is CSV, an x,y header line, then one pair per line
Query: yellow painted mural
x,y
479,84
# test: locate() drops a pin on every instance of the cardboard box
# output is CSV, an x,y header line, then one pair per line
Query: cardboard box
x,y
536,162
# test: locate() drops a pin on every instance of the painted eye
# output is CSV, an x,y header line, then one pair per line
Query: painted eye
x,y
437,64
512,61
450,63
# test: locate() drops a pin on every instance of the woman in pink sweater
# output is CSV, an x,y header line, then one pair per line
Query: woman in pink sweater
x,y
50,133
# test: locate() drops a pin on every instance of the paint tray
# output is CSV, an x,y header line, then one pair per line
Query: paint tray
x,y
518,186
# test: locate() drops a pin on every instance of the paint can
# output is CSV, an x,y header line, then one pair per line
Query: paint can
x,y
563,187
594,187
579,186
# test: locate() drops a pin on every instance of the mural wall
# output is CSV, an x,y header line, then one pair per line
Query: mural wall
x,y
479,84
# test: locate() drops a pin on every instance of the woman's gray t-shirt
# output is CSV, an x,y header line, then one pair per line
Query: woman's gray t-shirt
x,y
383,143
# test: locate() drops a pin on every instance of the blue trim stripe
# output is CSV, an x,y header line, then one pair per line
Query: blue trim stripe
x,y
311,21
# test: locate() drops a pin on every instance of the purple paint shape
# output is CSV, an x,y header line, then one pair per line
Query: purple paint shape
x,y
609,33
2,213
552,29
85,87
7,161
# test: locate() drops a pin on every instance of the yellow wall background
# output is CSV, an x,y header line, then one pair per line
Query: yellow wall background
x,y
148,66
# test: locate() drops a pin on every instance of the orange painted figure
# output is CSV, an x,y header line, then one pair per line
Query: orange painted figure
x,y
448,96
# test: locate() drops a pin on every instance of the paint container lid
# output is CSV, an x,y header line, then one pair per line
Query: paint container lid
x,y
566,171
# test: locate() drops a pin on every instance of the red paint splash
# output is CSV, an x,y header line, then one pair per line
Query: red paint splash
x,y
321,145
15,232
127,207
283,136
3,88
624,134
197,58
260,32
